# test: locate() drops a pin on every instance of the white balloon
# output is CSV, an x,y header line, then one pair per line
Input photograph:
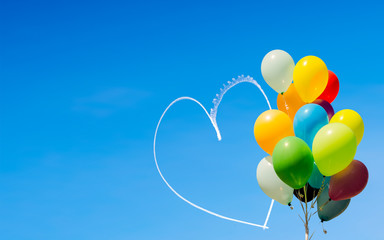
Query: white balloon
x,y
277,69
271,184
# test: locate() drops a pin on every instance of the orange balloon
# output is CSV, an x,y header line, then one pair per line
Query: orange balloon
x,y
290,101
270,127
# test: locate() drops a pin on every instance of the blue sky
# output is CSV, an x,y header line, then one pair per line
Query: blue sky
x,y
83,84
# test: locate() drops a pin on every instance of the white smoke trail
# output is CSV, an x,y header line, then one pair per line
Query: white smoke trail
x,y
212,118
230,84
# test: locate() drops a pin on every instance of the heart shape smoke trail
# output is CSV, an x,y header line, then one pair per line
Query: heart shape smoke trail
x,y
212,117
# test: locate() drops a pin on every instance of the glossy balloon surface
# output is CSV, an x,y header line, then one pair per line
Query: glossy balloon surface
x,y
293,161
353,120
308,121
349,182
277,70
333,148
270,127
332,88
317,180
327,107
310,77
306,193
271,184
290,101
328,210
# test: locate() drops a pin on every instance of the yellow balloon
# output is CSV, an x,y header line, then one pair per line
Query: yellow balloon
x,y
270,127
353,120
310,77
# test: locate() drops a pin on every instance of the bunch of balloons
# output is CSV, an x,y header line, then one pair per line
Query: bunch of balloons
x,y
311,148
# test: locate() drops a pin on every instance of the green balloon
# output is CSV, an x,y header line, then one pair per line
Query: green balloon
x,y
293,161
333,148
328,210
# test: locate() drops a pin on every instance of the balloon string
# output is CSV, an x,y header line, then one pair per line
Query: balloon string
x,y
212,118
322,225
295,210
318,194
324,204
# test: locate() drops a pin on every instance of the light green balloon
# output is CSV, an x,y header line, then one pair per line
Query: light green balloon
x,y
271,184
277,70
293,161
333,148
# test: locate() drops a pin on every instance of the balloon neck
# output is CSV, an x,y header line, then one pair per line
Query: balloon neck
x,y
282,93
322,225
290,205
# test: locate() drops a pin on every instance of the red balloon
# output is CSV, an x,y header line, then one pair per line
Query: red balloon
x,y
332,88
349,182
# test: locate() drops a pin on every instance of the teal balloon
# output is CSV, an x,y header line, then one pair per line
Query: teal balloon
x,y
293,161
316,179
308,121
332,209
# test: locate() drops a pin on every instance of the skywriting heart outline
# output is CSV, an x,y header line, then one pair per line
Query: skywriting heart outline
x,y
212,118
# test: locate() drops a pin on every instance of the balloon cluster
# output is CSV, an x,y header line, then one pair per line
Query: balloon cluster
x,y
312,149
